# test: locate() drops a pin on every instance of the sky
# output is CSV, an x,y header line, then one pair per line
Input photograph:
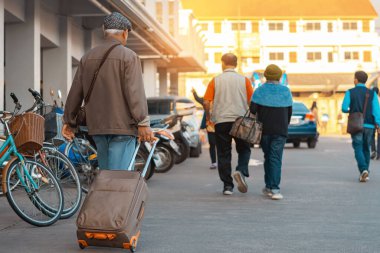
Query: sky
x,y
376,4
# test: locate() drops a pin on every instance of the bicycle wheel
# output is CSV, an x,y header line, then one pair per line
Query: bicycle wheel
x,y
28,201
84,158
67,176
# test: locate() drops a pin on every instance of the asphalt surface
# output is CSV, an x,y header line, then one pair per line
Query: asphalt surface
x,y
325,209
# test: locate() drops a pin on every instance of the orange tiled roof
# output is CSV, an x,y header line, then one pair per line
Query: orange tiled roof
x,y
277,9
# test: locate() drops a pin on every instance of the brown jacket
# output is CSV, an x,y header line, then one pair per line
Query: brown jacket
x,y
117,104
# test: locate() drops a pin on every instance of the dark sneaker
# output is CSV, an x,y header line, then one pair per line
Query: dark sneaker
x,y
373,155
240,180
364,176
227,191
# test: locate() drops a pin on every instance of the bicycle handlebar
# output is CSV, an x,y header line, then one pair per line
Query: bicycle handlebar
x,y
35,94
14,97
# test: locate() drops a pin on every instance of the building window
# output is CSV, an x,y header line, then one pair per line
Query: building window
x,y
171,8
367,56
276,56
351,55
159,11
313,26
171,26
218,58
293,26
276,26
206,57
314,56
292,57
330,28
204,26
350,26
255,27
238,27
331,56
366,26
244,61
217,27
256,59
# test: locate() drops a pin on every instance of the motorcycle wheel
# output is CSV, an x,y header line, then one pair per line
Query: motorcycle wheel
x,y
140,161
184,148
167,158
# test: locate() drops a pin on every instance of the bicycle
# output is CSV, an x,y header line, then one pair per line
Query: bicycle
x,y
31,189
62,167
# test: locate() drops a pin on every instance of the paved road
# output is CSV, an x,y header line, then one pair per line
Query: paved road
x,y
325,210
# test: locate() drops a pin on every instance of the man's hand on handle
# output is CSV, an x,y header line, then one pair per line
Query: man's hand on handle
x,y
68,132
146,134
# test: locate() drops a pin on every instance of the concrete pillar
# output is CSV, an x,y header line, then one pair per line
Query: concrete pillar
x,y
150,77
23,57
1,54
163,80
173,84
57,65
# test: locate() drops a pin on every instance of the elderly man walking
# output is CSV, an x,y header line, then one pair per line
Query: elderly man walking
x,y
362,100
230,94
110,77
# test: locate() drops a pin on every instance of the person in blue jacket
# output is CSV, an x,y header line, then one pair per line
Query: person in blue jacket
x,y
273,105
354,101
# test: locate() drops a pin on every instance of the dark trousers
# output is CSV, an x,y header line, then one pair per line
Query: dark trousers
x,y
273,148
224,151
212,142
361,142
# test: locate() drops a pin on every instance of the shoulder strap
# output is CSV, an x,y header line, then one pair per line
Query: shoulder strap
x,y
366,103
87,98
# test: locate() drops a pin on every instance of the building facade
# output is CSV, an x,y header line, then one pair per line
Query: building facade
x,y
320,44
42,42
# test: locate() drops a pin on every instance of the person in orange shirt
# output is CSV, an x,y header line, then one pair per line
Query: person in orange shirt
x,y
230,95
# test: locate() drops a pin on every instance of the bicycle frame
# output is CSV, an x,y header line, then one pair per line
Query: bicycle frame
x,y
7,150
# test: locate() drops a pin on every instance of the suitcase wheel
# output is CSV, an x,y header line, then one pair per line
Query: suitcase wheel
x,y
82,244
133,245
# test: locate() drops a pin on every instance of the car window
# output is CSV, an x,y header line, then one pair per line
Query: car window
x,y
160,107
300,108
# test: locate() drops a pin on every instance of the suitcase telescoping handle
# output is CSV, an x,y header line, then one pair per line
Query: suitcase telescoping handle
x,y
131,165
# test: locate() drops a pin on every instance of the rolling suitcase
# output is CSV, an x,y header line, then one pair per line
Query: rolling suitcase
x,y
113,209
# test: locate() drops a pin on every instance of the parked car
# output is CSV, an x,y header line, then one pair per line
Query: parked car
x,y
186,131
303,127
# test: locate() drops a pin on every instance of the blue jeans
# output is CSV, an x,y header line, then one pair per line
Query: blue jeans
x,y
114,151
361,142
273,148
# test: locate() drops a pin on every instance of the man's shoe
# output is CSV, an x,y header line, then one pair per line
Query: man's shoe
x,y
276,195
267,192
240,180
364,176
213,166
227,191
373,155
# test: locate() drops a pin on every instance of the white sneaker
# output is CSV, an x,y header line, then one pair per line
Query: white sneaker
x,y
277,196
364,176
267,192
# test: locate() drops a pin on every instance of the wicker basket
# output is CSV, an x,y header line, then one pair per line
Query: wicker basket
x,y
28,132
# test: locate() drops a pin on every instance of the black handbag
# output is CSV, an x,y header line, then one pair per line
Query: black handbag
x,y
81,115
355,122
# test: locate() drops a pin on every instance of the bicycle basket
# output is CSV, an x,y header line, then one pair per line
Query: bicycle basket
x,y
28,132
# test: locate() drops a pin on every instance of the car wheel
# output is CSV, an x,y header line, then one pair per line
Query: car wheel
x,y
311,143
296,144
